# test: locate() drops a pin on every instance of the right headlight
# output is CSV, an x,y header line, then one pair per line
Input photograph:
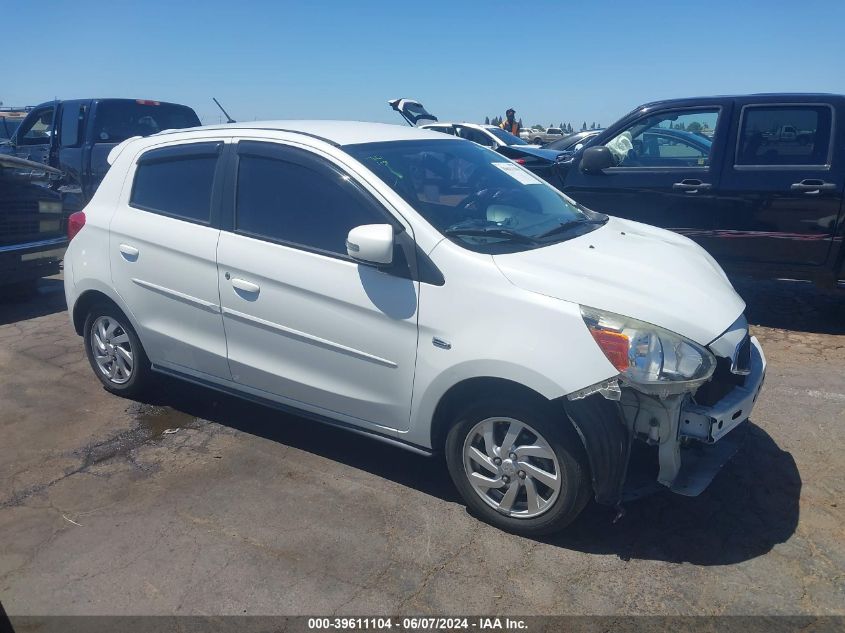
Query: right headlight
x,y
648,357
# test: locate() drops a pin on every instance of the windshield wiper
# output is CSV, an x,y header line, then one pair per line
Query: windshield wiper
x,y
570,224
513,236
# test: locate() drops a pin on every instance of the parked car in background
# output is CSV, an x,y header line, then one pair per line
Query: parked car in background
x,y
76,136
731,173
571,141
32,224
537,160
425,291
540,137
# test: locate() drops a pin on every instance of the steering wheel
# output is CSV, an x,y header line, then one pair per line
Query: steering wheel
x,y
476,196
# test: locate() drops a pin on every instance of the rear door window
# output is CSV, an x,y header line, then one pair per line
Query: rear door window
x,y
784,135
118,120
177,181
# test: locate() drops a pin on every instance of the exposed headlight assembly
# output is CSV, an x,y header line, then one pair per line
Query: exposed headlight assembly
x,y
649,358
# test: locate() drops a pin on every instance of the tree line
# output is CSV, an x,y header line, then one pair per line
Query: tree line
x,y
566,127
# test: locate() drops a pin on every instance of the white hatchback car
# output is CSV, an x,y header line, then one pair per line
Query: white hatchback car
x,y
423,290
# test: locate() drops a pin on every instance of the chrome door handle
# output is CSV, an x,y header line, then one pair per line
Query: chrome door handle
x,y
244,285
129,253
691,185
812,186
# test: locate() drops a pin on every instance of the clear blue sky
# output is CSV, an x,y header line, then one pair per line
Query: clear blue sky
x,y
552,61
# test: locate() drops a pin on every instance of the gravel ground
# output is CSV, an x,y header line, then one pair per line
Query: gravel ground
x,y
245,510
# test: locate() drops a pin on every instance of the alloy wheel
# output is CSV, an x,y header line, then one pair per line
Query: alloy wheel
x,y
112,350
512,467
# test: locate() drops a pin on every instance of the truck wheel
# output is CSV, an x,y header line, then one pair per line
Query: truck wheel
x,y
115,352
517,468
538,141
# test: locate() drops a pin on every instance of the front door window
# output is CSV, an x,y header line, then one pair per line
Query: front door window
x,y
669,139
38,129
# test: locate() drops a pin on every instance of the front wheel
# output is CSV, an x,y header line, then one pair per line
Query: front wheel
x,y
115,352
517,468
538,141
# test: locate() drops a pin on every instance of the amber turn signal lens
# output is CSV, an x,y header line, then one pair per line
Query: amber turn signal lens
x,y
614,345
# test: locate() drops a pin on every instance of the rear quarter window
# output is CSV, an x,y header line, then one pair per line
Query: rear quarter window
x,y
116,121
177,181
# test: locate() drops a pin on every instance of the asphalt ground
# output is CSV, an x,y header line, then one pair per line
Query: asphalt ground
x,y
240,509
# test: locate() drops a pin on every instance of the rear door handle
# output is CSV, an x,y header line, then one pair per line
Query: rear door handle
x,y
812,186
129,253
691,185
245,286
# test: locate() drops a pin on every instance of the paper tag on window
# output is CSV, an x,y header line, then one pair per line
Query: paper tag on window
x,y
518,174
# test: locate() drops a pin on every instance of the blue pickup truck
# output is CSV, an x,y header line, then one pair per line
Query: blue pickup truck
x,y
757,180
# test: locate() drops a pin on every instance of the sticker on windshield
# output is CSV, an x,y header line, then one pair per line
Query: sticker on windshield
x,y
518,174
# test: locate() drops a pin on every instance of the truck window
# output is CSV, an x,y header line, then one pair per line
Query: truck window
x,y
116,121
784,135
176,181
37,130
683,138
71,117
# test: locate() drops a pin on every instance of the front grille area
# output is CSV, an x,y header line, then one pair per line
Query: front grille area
x,y
20,220
722,383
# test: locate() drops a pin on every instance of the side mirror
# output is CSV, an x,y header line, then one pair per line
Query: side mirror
x,y
596,159
371,244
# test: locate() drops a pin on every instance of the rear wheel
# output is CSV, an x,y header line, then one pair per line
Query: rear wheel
x,y
115,352
517,468
538,141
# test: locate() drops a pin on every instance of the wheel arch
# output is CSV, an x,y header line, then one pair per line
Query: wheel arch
x,y
90,297
472,389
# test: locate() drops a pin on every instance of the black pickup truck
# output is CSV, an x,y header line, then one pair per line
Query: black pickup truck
x,y
757,180
32,224
76,137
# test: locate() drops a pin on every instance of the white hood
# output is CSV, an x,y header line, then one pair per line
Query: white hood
x,y
635,270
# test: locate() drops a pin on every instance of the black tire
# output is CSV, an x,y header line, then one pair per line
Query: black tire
x,y
575,489
141,375
538,141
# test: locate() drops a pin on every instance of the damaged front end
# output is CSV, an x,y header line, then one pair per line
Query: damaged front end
x,y
678,404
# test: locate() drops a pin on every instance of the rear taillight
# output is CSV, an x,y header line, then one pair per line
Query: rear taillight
x,y
75,223
520,161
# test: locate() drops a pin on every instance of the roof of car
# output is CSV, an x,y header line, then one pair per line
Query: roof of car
x,y
336,132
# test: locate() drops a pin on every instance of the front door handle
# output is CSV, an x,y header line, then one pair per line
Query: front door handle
x,y
245,286
130,253
691,185
812,186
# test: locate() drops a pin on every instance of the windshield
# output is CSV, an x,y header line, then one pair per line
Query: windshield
x,y
474,195
117,121
506,137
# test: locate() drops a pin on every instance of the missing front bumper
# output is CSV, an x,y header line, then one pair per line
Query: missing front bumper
x,y
685,444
